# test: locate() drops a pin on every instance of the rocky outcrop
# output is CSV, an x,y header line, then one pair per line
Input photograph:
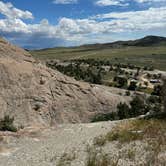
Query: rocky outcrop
x,y
36,95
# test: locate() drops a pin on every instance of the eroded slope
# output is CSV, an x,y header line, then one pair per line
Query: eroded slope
x,y
37,95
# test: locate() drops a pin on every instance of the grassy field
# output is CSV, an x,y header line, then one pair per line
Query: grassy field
x,y
142,56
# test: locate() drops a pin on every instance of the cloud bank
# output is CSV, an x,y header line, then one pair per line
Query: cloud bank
x,y
125,2
76,31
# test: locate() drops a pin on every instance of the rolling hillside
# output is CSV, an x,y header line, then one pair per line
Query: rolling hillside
x,y
150,51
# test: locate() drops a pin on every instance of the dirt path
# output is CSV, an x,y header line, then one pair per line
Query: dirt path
x,y
47,147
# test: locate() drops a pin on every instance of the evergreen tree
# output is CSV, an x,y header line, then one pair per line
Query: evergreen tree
x,y
123,111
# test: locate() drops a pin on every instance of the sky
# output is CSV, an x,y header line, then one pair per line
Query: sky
x,y
35,24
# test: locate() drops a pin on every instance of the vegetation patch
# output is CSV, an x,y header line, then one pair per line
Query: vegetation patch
x,y
99,141
130,134
66,159
143,56
6,124
138,106
135,130
123,136
96,157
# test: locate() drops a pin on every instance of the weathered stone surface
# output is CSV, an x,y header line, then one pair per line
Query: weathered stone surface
x,y
37,95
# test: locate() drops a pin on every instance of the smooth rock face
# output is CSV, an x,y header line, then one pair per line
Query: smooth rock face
x,y
36,95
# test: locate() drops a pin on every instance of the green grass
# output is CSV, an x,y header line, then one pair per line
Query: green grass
x,y
150,56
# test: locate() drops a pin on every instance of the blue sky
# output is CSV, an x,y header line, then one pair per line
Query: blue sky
x,y
50,23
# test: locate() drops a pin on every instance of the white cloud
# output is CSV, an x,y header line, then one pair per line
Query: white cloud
x,y
115,22
125,2
79,30
10,11
136,20
13,25
150,1
111,3
65,1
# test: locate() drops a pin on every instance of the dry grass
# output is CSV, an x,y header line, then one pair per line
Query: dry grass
x,y
151,129
150,134
137,130
96,157
131,154
99,141
66,159
133,130
123,136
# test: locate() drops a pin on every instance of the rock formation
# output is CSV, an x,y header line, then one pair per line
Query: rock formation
x,y
37,95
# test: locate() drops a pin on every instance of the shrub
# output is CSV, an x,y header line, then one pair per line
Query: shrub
x,y
6,124
128,93
138,107
105,117
123,110
65,159
131,154
153,99
157,90
132,86
97,157
93,73
123,136
121,81
99,141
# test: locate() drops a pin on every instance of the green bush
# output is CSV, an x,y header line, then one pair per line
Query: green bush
x,y
121,81
137,107
93,73
6,124
128,93
105,117
123,111
157,90
132,86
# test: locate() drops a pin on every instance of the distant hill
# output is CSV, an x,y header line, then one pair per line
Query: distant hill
x,y
148,41
148,51
143,42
